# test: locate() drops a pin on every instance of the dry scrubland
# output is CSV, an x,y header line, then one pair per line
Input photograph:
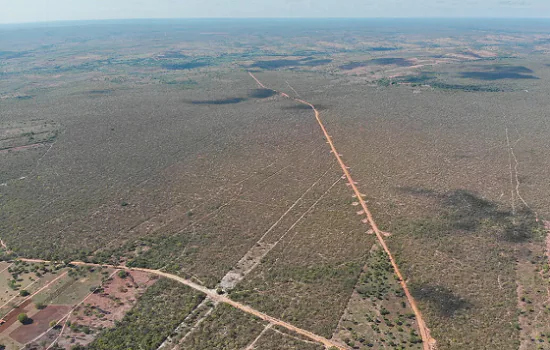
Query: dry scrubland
x,y
442,177
166,155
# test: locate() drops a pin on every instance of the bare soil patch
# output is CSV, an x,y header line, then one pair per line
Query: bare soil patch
x,y
40,323
101,310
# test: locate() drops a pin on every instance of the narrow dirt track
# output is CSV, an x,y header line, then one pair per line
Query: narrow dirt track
x,y
429,343
213,295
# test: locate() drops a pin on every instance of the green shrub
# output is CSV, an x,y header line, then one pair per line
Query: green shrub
x,y
24,319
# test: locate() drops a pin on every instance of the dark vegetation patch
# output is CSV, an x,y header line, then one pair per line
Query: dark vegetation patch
x,y
431,80
465,87
375,282
24,97
185,66
461,211
382,48
225,101
308,53
470,53
157,313
282,63
261,93
100,92
398,61
418,191
500,72
315,63
353,65
384,61
172,55
418,79
188,83
441,298
495,75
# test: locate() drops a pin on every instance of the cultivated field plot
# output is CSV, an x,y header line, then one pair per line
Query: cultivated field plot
x,y
20,280
53,295
148,145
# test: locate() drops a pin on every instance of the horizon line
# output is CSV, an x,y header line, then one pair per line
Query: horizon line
x,y
60,21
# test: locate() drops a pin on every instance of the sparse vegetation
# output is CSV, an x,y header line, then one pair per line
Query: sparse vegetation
x,y
167,155
155,316
225,328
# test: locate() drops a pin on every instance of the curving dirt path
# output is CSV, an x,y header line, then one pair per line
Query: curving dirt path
x,y
429,343
213,295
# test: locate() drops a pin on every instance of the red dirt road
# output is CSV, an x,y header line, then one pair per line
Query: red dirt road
x,y
212,294
429,343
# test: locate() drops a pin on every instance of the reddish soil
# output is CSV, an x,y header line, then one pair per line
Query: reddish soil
x,y
118,297
40,324
11,317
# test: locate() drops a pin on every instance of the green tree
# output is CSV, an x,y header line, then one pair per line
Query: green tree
x,y
24,293
23,318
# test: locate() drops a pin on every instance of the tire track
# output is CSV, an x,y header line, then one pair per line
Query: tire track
x,y
260,249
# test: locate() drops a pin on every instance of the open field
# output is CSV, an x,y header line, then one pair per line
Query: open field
x,y
160,151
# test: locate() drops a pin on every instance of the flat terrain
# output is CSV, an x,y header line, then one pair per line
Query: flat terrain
x,y
149,145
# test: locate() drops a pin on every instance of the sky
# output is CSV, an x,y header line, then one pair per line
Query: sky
x,y
18,11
